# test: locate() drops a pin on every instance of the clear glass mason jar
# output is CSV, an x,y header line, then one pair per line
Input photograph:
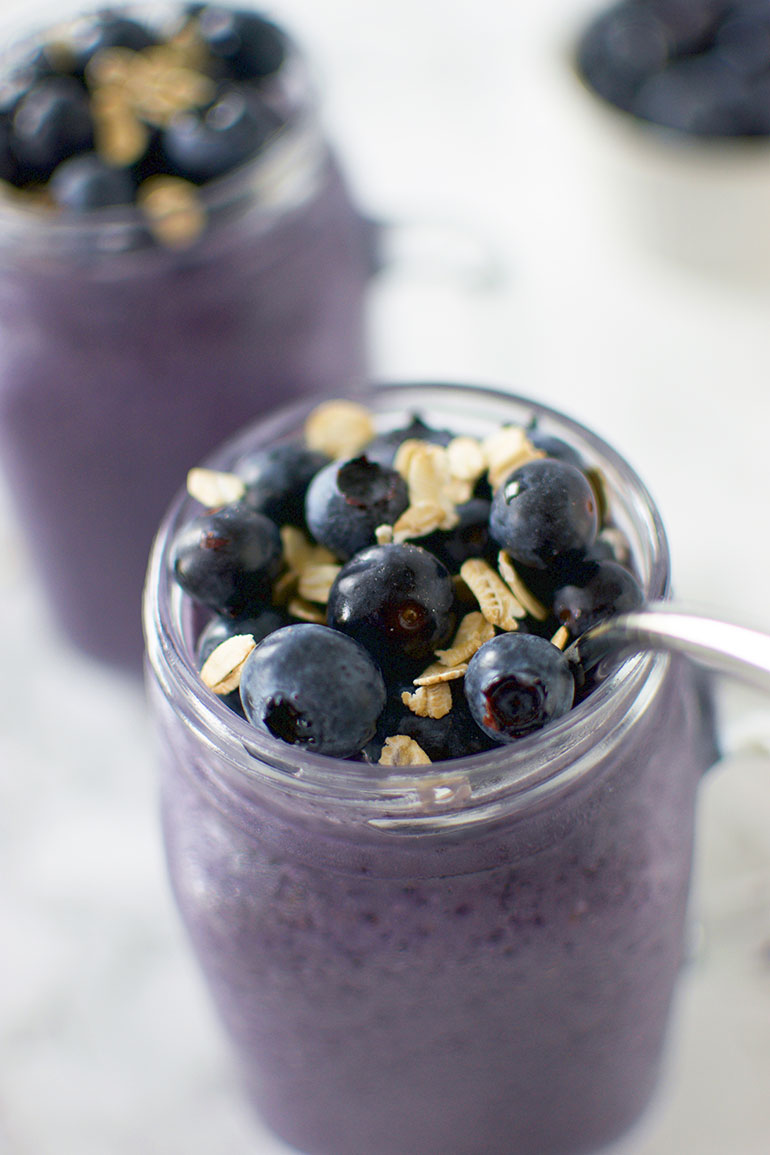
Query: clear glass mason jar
x,y
474,957
122,361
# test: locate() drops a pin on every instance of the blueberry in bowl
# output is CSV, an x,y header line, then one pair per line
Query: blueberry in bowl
x,y
208,141
398,601
315,687
347,501
516,683
243,44
672,116
698,68
226,559
544,513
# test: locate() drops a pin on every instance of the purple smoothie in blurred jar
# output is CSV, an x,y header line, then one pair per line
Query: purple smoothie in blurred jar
x,y
474,956
130,342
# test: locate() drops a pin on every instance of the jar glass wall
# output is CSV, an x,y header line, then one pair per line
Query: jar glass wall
x,y
478,957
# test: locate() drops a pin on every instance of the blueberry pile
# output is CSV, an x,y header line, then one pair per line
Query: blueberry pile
x,y
402,597
111,110
697,66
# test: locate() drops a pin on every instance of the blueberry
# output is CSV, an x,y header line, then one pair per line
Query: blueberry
x,y
51,122
315,688
544,512
396,600
347,500
701,95
226,560
247,46
689,24
743,39
277,479
85,182
384,447
606,588
620,49
218,630
15,84
107,28
758,103
611,545
516,683
682,63
204,143
555,447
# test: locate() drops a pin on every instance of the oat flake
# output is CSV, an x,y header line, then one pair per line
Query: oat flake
x,y
496,602
213,488
472,632
339,428
402,751
433,701
221,671
531,604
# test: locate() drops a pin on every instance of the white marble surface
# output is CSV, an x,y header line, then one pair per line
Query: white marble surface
x,y
461,114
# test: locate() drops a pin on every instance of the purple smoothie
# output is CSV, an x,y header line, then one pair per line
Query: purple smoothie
x,y
478,956
121,361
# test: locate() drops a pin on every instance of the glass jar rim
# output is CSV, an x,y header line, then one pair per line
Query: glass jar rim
x,y
461,792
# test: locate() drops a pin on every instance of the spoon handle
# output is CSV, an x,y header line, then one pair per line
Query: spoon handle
x,y
722,646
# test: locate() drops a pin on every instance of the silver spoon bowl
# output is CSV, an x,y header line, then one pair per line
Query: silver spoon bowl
x,y
722,646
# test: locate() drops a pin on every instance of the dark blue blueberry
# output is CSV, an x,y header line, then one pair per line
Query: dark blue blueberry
x,y
205,143
456,735
611,545
555,447
544,512
743,39
15,84
605,588
620,49
51,123
244,44
227,559
562,451
396,600
315,688
107,28
758,99
689,24
516,683
218,630
701,95
346,502
469,538
85,182
384,447
277,480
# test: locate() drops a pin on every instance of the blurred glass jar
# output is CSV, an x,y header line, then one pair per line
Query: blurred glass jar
x,y
132,339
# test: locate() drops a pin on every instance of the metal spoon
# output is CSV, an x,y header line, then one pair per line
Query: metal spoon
x,y
720,645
